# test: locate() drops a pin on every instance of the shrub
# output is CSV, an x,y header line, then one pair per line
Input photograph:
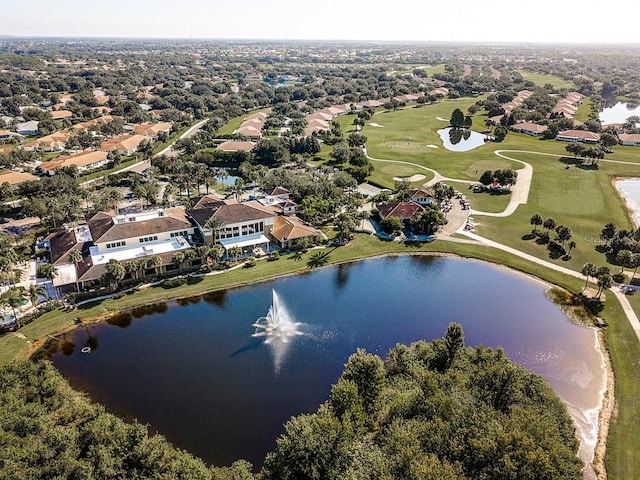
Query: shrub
x,y
273,256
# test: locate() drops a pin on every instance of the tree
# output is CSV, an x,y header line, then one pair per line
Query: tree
x,y
608,232
549,224
624,258
563,233
604,281
391,225
114,274
36,291
486,178
318,259
454,340
215,224
588,270
178,260
235,252
457,118
572,244
14,297
345,224
75,257
536,220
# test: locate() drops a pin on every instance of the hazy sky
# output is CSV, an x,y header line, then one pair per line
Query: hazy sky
x,y
574,21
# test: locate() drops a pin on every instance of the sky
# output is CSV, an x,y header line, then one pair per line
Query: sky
x,y
544,21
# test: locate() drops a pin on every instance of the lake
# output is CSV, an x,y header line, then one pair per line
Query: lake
x,y
460,139
618,113
629,190
192,370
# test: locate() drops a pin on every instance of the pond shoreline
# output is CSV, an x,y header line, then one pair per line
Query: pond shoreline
x,y
606,403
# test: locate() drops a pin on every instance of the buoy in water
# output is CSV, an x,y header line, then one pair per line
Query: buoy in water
x,y
85,349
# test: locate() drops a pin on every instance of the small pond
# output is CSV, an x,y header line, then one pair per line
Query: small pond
x,y
461,139
194,372
618,113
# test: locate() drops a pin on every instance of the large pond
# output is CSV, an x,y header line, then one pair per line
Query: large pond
x,y
461,139
194,371
618,113
629,190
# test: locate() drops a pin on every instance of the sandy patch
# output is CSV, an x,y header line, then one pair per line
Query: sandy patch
x,y
442,119
413,178
376,125
432,146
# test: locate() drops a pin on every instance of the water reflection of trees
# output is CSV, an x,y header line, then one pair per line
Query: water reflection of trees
x,y
456,135
140,312
342,274
217,298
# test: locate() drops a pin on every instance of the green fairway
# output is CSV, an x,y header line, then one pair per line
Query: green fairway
x,y
541,79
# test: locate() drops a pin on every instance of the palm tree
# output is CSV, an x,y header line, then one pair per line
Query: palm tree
x,y
14,297
549,224
48,271
75,257
536,221
115,273
235,252
214,223
36,291
154,261
635,263
604,281
178,260
318,259
624,258
588,270
571,245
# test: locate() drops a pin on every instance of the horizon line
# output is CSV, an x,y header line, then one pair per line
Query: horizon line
x,y
317,40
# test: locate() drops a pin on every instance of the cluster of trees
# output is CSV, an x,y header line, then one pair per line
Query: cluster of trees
x,y
504,177
590,155
431,410
559,246
49,430
621,247
601,274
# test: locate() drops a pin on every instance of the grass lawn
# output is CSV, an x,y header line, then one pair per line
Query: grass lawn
x,y
540,79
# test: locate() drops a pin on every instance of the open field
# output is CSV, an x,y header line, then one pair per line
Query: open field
x,y
540,79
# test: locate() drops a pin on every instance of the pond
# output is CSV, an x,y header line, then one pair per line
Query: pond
x,y
618,113
195,373
461,139
629,190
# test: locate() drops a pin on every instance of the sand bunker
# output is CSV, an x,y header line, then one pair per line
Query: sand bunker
x,y
442,119
376,125
413,178
432,146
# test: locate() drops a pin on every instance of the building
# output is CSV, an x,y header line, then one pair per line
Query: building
x,y
402,210
83,161
152,130
124,144
61,115
420,196
289,232
28,128
529,128
235,146
584,136
632,139
16,178
54,142
245,225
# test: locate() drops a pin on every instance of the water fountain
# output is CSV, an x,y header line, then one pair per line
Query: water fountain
x,y
277,324
277,327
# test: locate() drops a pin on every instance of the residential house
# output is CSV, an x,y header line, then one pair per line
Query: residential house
x,y
124,144
632,139
61,115
54,142
152,130
584,136
83,161
6,135
28,128
529,128
235,146
16,178
245,225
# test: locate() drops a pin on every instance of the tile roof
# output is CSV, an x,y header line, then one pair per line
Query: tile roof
x,y
401,210
291,228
